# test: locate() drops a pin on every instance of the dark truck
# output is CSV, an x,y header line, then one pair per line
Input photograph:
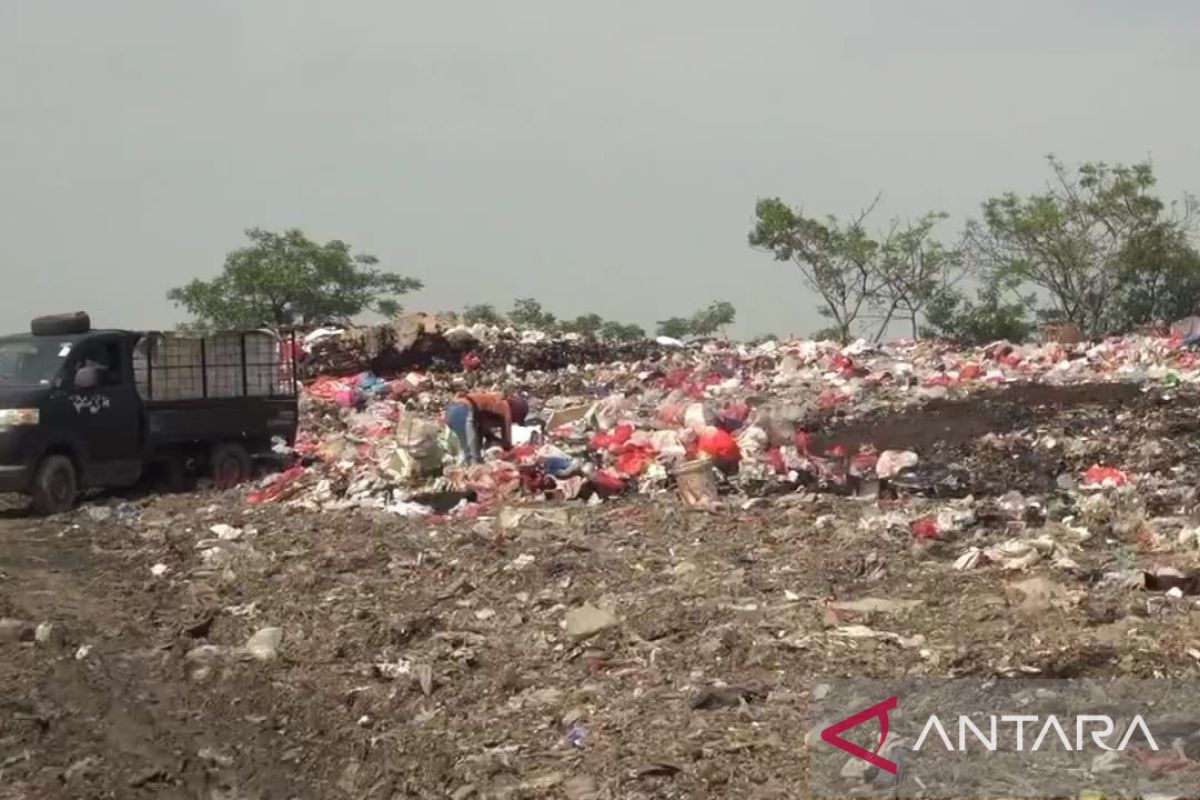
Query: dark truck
x,y
83,408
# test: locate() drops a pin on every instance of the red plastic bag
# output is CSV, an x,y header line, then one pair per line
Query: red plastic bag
x,y
607,441
1099,476
925,528
1011,360
720,445
471,362
969,372
631,462
273,490
608,482
863,463
326,388
521,453
840,362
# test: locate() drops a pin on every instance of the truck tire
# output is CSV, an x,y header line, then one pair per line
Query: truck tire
x,y
172,476
61,324
230,465
55,486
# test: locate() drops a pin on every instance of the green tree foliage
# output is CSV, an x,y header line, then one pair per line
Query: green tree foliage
x,y
620,332
528,313
913,267
1159,279
1098,245
675,327
827,334
950,315
837,260
482,314
703,323
584,325
715,317
280,280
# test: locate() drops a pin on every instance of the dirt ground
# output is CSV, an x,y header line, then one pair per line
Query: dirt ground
x,y
450,660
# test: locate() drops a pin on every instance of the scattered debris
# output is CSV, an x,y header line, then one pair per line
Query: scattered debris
x,y
894,510
264,645
587,621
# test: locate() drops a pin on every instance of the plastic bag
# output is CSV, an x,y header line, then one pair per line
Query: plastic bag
x,y
422,440
606,441
719,445
698,416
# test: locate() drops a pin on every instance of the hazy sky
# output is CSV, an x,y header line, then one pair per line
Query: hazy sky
x,y
597,156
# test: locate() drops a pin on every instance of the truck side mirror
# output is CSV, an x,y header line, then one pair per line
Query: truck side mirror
x,y
87,377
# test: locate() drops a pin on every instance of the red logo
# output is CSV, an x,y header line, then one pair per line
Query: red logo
x,y
832,736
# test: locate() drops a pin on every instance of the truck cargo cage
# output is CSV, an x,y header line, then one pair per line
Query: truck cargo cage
x,y
218,366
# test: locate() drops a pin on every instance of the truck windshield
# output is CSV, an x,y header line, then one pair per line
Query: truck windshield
x,y
31,361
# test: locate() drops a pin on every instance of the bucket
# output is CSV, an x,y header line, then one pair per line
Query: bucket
x,y
696,482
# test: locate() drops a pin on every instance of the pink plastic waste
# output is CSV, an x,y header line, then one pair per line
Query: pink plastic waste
x,y
969,372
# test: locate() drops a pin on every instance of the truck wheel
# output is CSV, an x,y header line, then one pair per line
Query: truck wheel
x,y
230,465
54,486
173,475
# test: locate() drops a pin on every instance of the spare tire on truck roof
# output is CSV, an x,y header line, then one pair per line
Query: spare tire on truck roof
x,y
61,324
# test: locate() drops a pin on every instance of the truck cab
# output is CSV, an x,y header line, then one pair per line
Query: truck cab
x,y
78,410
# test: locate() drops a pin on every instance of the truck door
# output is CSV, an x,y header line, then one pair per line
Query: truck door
x,y
108,417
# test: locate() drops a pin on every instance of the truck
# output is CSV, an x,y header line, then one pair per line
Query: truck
x,y
82,408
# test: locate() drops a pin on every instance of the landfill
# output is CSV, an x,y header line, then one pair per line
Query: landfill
x,y
638,599
769,419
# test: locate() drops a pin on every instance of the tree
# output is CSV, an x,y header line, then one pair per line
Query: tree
x,y
708,321
1159,279
674,327
836,260
618,332
1083,244
482,314
528,313
912,269
585,325
950,315
280,280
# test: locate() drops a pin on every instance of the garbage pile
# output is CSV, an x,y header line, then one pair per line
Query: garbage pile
x,y
717,422
438,343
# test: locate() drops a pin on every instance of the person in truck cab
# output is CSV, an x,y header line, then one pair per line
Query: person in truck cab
x,y
479,418
105,359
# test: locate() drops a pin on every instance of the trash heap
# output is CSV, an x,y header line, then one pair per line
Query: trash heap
x,y
438,343
712,420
